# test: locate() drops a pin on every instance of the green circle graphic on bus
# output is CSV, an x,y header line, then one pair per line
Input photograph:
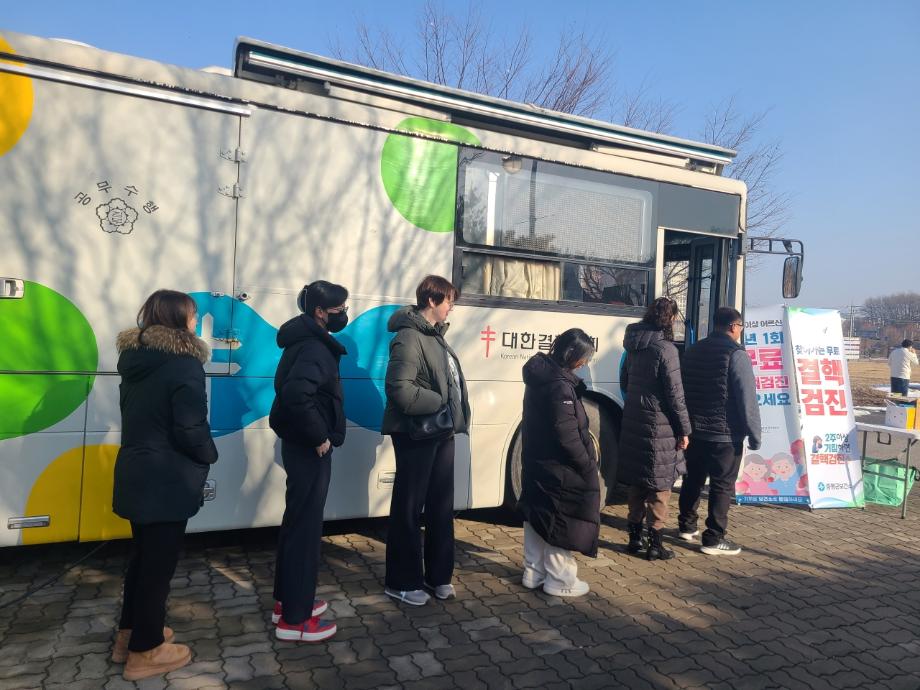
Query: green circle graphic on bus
x,y
420,175
43,333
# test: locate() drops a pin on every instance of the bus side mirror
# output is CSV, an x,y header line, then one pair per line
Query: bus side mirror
x,y
792,277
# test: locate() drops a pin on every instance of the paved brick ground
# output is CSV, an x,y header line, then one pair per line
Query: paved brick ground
x,y
817,600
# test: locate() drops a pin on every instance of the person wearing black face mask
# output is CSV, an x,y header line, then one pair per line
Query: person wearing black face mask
x,y
308,416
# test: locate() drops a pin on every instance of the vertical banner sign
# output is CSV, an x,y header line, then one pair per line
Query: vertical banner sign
x,y
775,473
825,407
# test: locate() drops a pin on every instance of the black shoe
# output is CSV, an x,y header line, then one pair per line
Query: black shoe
x,y
636,542
656,550
723,548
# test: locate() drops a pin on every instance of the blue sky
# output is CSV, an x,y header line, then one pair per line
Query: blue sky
x,y
841,81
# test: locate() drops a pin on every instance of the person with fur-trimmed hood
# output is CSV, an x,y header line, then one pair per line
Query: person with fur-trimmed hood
x,y
166,452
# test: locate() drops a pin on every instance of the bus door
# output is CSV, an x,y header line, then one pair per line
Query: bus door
x,y
703,286
694,276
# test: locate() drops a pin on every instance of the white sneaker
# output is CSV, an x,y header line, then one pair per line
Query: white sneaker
x,y
531,579
576,590
443,591
689,536
415,597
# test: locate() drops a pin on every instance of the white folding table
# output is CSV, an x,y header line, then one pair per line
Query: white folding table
x,y
908,436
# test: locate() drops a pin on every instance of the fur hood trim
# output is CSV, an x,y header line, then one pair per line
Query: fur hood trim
x,y
173,341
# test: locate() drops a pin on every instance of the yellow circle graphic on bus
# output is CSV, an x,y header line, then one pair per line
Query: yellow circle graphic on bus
x,y
16,101
97,521
56,493
75,492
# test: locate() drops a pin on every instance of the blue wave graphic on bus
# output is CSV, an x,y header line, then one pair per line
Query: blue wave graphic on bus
x,y
364,368
252,354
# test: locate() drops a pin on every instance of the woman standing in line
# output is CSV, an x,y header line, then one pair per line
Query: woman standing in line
x,y
308,416
656,427
166,451
426,405
560,500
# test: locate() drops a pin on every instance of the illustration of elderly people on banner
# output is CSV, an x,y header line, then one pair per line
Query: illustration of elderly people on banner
x,y
776,472
808,453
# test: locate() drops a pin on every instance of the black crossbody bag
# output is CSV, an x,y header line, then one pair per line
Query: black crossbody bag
x,y
432,427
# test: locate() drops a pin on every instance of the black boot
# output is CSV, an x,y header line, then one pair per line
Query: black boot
x,y
656,550
636,542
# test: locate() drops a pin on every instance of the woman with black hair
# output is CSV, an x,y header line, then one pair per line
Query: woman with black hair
x,y
656,427
308,416
162,464
560,500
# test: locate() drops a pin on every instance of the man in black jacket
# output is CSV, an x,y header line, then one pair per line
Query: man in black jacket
x,y
722,401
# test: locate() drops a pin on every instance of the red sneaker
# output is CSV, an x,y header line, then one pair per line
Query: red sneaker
x,y
311,630
319,608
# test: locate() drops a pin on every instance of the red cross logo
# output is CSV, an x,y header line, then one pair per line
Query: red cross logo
x,y
488,337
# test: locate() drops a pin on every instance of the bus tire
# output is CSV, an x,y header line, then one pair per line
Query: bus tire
x,y
603,421
603,432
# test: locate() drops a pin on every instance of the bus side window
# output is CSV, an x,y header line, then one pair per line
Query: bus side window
x,y
499,276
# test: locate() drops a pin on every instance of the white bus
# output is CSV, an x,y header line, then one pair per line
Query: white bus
x,y
122,175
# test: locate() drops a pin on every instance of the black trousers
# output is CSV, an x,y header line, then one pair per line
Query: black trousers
x,y
424,480
151,565
299,540
720,462
900,386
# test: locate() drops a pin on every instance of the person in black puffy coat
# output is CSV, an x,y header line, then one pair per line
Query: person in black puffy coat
x,y
655,429
162,464
308,415
560,500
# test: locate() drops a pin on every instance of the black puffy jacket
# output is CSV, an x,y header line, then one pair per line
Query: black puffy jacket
x,y
655,413
309,405
561,492
721,395
166,445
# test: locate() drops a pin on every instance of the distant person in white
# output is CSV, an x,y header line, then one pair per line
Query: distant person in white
x,y
900,361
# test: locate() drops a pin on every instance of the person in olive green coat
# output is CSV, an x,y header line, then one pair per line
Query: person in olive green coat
x,y
423,377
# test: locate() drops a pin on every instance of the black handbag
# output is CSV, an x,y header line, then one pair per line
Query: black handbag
x,y
431,427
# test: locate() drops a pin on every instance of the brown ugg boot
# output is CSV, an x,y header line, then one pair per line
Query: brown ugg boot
x,y
157,661
122,637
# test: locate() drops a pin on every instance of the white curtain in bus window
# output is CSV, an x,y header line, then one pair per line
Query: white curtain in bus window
x,y
502,276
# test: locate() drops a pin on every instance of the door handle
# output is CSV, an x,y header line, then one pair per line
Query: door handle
x,y
12,288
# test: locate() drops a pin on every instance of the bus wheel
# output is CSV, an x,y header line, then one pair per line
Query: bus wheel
x,y
513,474
603,433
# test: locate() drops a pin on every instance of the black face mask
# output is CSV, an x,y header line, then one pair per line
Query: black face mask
x,y
335,322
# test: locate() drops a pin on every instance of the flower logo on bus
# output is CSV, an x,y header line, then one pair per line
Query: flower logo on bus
x,y
116,216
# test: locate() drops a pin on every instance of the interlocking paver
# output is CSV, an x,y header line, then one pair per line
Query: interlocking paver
x,y
29,682
816,600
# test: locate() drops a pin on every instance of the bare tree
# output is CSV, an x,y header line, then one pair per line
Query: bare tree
x,y
756,164
901,309
463,51
639,110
